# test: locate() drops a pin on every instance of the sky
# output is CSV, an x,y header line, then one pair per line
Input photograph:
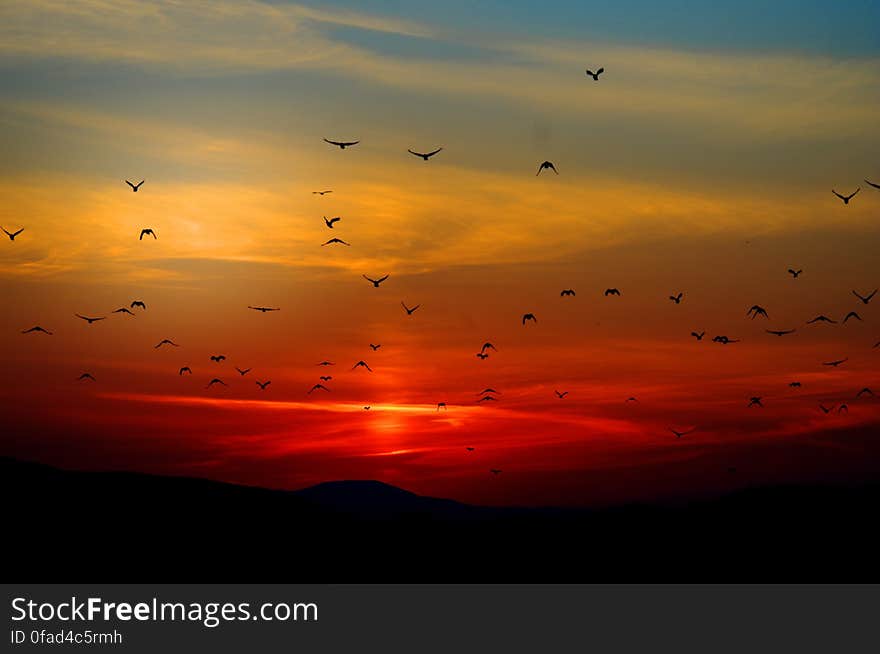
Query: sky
x,y
701,162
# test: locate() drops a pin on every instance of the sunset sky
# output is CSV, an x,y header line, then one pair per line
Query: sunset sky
x,y
701,162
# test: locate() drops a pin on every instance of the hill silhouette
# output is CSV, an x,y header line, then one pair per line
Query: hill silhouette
x,y
106,526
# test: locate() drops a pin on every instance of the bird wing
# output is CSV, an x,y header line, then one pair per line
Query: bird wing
x,y
872,184
14,234
837,194
129,183
432,153
600,71
873,293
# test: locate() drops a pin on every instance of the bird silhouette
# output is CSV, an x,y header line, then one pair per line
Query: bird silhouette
x,y
409,311
185,369
755,401
611,291
264,309
321,192
376,282
329,221
362,364
595,75
242,372
834,364
495,471
216,381
724,340
366,408
138,303
842,407
147,232
335,240
846,198
529,316
487,391
876,345
546,165
375,347
780,332
424,155
865,298
326,363
488,346
12,235
341,144
865,391
756,311
89,320
676,298
85,377
561,395
567,291
218,358
441,404
469,449
325,377
872,184
852,314
123,310
826,410
166,341
679,434
795,273
135,187
630,399
482,356
698,335
263,385
318,387
488,398
795,384
822,318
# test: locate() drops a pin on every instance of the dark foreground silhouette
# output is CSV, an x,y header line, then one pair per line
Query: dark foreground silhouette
x,y
114,526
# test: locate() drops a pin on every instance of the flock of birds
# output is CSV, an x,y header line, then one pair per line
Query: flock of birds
x,y
488,394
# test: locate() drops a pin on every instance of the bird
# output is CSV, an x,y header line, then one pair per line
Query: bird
x,y
264,309
867,298
488,398
165,341
724,340
546,165
795,273
561,395
376,282
424,155
780,332
326,363
481,356
366,408
318,387
135,187
755,401
218,358
147,232
12,235
89,320
567,291
469,449
441,404
138,303
851,314
216,381
876,345
335,240
794,384
821,318
488,346
595,75
679,434
341,144
362,364
263,385
409,311
242,372
828,410
85,377
872,184
321,192
329,221
630,399
488,390
756,311
865,391
186,369
495,471
123,310
846,198
611,291
676,298
699,335
834,364
375,347
528,316
325,377
843,407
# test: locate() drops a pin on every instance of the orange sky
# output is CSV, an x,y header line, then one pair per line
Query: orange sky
x,y
711,182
